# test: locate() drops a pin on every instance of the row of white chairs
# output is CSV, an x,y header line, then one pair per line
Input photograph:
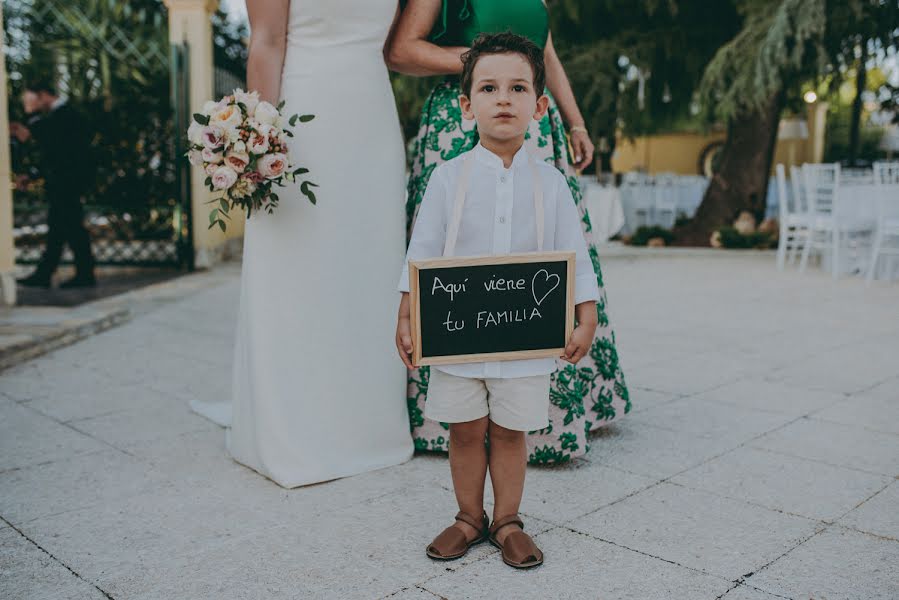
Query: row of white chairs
x,y
812,218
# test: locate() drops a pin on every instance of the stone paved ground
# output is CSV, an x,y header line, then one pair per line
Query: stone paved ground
x,y
760,462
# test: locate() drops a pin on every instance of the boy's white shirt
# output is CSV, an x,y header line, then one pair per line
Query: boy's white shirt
x,y
499,218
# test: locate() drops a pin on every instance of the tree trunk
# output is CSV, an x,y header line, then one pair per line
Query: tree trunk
x,y
861,82
741,182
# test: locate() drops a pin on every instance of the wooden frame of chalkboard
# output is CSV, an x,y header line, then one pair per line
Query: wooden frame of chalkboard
x,y
416,267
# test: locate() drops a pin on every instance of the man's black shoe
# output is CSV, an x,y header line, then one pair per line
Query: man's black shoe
x,y
78,282
35,280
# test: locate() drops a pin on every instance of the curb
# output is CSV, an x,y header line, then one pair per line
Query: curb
x,y
48,338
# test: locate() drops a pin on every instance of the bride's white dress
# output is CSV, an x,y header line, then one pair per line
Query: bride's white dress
x,y
318,391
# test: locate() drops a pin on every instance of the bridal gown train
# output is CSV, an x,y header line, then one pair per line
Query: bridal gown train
x,y
318,390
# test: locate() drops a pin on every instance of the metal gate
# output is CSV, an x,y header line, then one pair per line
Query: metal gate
x,y
114,63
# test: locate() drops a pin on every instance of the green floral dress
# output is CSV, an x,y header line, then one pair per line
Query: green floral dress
x,y
582,397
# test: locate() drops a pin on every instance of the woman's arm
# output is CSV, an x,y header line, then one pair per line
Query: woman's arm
x,y
409,50
268,42
560,88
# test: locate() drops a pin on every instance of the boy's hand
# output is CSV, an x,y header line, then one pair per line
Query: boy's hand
x,y
404,333
582,336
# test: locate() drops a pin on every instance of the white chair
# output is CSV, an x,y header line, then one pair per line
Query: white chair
x,y
828,225
637,200
665,201
793,217
886,178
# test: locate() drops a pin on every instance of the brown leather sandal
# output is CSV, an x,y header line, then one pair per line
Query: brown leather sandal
x,y
518,549
452,543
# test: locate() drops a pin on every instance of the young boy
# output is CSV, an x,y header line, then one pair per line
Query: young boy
x,y
502,83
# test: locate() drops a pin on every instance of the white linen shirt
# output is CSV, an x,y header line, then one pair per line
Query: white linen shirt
x,y
499,218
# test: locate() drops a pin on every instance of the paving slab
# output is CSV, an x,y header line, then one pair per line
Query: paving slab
x,y
837,563
382,558
69,484
878,515
837,444
758,394
707,419
876,409
716,535
577,566
653,451
871,360
780,482
29,573
745,592
29,438
162,419
690,373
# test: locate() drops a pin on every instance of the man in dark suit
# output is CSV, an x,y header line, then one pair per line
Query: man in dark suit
x,y
64,145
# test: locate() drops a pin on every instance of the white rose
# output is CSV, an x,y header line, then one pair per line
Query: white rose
x,y
248,99
210,169
258,144
272,166
233,135
213,136
195,133
211,156
195,157
237,161
265,113
239,146
209,106
223,177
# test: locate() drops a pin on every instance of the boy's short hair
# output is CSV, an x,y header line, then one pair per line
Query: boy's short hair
x,y
40,84
503,43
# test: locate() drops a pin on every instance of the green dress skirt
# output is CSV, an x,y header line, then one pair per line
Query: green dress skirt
x,y
583,397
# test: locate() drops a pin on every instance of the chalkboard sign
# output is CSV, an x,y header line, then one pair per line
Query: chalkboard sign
x,y
509,307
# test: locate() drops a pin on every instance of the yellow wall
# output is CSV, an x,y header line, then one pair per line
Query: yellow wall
x,y
7,251
190,20
680,152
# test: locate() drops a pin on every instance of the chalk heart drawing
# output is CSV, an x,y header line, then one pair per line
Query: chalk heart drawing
x,y
543,284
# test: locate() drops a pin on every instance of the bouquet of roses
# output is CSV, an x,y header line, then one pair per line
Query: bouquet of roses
x,y
241,143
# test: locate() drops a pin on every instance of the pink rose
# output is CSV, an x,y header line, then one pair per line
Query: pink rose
x,y
237,161
213,136
210,169
213,157
253,176
259,144
271,166
195,157
224,177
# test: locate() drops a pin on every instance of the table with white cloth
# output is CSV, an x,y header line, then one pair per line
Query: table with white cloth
x,y
641,199
604,207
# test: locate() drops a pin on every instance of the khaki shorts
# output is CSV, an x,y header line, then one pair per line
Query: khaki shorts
x,y
519,403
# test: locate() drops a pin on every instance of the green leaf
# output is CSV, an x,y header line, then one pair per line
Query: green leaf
x,y
288,132
306,118
242,106
293,120
222,226
201,119
280,105
304,188
208,181
224,205
300,171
